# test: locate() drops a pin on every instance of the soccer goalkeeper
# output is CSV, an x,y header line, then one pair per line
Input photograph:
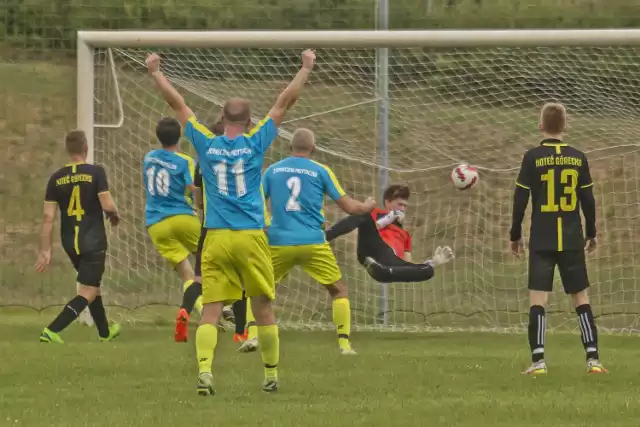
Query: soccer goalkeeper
x,y
384,246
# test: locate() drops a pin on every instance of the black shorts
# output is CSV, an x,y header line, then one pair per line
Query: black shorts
x,y
572,266
198,266
90,266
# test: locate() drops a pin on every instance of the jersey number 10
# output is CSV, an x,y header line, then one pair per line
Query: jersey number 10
x,y
158,182
568,201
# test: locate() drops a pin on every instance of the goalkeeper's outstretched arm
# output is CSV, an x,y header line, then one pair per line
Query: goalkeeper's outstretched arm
x,y
169,93
290,95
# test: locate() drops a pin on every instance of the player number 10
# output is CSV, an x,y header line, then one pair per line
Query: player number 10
x,y
569,199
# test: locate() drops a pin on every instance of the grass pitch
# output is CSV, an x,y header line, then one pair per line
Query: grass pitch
x,y
459,379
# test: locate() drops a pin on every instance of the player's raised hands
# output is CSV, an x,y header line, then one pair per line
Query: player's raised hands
x,y
590,245
517,247
308,59
153,63
44,259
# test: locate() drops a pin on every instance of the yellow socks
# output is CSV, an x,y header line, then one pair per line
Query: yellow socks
x,y
269,342
198,305
341,311
206,341
252,331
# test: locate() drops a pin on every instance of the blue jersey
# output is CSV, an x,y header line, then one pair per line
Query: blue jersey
x,y
166,177
231,173
297,187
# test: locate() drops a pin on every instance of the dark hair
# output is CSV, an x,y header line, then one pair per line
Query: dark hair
x,y
394,192
76,142
217,128
168,131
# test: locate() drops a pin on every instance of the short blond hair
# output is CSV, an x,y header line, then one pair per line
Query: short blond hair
x,y
553,118
303,140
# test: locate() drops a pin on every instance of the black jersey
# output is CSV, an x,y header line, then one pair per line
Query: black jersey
x,y
557,176
75,188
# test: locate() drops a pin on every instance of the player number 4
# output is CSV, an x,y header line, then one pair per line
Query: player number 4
x,y
569,199
75,207
237,170
295,185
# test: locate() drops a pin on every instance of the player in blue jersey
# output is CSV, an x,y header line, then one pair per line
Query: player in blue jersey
x,y
170,216
296,188
236,251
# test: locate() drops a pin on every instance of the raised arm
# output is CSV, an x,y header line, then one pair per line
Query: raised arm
x,y
169,93
290,95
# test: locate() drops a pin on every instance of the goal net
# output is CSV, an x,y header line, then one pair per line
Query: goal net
x,y
446,106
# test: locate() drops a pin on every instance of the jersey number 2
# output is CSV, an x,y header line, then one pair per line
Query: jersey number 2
x,y
569,199
295,185
158,182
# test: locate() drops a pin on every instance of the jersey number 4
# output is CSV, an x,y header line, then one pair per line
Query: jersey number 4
x,y
568,201
75,207
158,181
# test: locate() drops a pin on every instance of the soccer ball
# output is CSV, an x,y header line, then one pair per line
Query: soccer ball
x,y
464,177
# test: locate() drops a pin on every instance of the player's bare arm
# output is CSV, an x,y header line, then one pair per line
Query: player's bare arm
x,y
520,202
169,93
109,208
356,207
44,257
290,95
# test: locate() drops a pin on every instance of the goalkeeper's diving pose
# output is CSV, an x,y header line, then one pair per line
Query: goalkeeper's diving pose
x,y
384,246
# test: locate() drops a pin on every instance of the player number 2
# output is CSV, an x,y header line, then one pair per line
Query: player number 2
x,y
158,182
295,185
238,171
75,207
569,198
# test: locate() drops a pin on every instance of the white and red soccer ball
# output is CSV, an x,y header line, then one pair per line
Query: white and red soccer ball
x,y
464,177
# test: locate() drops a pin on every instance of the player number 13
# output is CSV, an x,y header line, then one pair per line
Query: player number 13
x,y
568,201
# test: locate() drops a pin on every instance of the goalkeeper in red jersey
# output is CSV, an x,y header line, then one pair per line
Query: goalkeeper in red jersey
x,y
384,246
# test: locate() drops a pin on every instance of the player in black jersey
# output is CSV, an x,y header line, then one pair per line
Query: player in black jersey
x,y
81,192
558,179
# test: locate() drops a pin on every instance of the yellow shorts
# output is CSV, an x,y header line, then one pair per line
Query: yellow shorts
x,y
176,237
317,261
233,258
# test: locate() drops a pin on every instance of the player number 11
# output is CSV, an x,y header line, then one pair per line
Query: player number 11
x,y
569,199
238,171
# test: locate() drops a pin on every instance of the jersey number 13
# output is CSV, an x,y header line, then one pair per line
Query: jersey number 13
x,y
568,200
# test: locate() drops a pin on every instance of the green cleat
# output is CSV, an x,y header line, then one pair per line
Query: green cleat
x,y
205,384
49,336
114,331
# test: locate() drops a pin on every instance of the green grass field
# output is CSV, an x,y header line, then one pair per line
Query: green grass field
x,y
398,379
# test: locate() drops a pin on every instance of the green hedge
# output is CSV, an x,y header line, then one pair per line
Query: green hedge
x,y
51,24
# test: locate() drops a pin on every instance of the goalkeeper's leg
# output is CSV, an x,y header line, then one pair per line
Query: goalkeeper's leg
x,y
398,270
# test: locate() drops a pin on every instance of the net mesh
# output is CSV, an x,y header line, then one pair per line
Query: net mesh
x,y
446,106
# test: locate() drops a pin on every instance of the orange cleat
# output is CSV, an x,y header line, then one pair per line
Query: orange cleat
x,y
240,338
182,330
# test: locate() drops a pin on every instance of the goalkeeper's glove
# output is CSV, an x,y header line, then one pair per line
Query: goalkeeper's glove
x,y
390,218
441,255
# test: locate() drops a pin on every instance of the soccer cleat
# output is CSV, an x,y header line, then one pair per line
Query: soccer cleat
x,y
536,368
348,351
595,367
205,384
240,338
249,346
181,333
49,336
114,332
270,385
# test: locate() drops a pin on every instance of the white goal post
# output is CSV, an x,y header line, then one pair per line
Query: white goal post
x,y
393,107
